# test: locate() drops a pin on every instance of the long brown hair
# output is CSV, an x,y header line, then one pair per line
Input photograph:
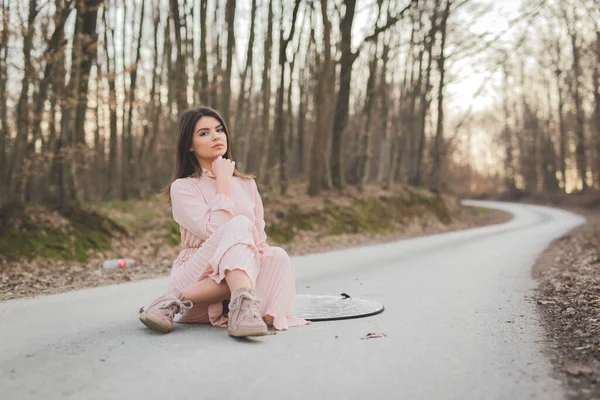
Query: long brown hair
x,y
186,163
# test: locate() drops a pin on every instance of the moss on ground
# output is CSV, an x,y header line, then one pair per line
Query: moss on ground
x,y
173,235
371,215
25,235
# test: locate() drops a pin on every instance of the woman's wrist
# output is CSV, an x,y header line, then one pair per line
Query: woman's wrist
x,y
224,186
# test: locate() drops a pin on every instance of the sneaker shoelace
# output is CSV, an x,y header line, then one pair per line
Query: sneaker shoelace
x,y
176,306
251,302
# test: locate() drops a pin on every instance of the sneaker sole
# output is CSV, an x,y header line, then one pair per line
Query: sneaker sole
x,y
246,333
154,324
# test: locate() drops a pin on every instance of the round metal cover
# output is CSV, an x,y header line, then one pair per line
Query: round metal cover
x,y
327,308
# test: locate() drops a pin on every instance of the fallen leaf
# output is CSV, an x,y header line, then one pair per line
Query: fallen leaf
x,y
373,335
576,369
545,302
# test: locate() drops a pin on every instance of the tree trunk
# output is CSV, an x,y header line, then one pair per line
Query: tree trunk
x,y
16,180
89,41
153,108
323,108
412,144
96,189
266,100
562,131
383,160
579,113
425,99
342,106
244,93
509,170
4,130
226,88
218,66
203,66
548,153
111,187
401,136
180,64
411,117
279,116
152,151
438,145
298,164
84,53
127,172
53,51
364,155
596,86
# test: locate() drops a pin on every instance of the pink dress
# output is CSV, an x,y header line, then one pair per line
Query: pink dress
x,y
221,233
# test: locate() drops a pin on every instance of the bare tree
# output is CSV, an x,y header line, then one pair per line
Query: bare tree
x,y
4,130
596,89
562,152
63,181
15,179
347,60
245,92
576,93
279,117
127,173
180,65
112,106
323,99
226,83
438,144
507,136
366,131
425,99
266,94
203,64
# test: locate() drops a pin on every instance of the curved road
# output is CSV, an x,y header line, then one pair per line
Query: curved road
x,y
458,320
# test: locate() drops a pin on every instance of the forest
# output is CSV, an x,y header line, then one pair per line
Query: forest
x,y
440,94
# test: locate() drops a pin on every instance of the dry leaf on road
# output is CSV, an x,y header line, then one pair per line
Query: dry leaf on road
x,y
373,335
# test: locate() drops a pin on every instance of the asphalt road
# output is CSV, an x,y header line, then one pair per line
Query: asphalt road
x,y
459,324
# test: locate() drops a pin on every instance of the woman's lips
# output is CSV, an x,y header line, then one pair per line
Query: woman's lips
x,y
217,146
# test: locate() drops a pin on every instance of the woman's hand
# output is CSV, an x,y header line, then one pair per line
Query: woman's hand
x,y
223,168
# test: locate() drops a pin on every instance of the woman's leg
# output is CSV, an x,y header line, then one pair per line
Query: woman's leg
x,y
237,279
277,288
226,262
206,291
227,273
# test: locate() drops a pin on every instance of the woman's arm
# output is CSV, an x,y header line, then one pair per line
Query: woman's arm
x,y
191,211
259,214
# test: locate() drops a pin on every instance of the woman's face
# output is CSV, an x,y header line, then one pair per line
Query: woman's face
x,y
208,134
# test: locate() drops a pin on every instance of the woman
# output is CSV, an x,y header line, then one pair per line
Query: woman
x,y
226,256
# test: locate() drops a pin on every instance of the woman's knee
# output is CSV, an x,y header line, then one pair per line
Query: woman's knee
x,y
240,220
280,255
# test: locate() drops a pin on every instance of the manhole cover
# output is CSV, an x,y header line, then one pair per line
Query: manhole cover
x,y
327,308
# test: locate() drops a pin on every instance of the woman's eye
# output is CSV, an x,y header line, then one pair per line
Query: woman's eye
x,y
220,130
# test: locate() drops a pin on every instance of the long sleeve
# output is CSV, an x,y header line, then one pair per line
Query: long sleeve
x,y
191,210
259,214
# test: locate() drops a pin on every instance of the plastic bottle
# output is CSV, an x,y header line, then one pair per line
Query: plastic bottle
x,y
120,263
